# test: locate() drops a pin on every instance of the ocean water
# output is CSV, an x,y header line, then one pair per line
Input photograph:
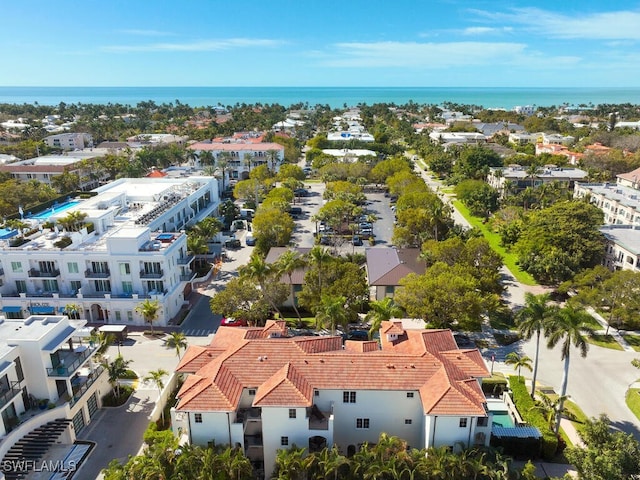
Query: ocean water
x,y
334,96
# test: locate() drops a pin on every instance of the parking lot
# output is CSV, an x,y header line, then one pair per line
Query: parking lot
x,y
377,205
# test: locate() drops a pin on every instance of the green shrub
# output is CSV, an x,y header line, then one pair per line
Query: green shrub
x,y
533,416
63,242
130,375
494,385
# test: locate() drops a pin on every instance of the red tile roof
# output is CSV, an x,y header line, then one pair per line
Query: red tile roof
x,y
285,370
236,147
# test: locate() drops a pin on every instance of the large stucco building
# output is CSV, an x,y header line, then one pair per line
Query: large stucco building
x,y
261,390
135,248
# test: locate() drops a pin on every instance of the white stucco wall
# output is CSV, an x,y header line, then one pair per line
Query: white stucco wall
x,y
214,426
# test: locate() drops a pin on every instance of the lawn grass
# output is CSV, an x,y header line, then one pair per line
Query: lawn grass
x,y
633,401
634,341
509,259
605,341
579,417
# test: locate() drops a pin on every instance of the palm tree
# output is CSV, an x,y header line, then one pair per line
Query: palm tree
x,y
116,370
381,311
198,246
570,326
518,361
72,310
549,407
247,159
222,162
532,319
272,158
330,461
176,341
331,312
149,310
319,256
206,158
288,263
261,272
155,376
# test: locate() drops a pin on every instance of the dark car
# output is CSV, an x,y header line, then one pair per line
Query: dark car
x,y
250,240
325,240
358,335
357,241
233,243
301,192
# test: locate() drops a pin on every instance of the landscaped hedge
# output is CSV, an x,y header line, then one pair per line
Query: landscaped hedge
x,y
494,385
533,416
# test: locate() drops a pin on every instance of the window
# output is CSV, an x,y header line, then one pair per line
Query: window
x,y
408,421
127,287
125,269
19,372
102,285
73,267
50,285
348,397
284,441
16,267
409,394
292,413
463,423
21,286
316,393
76,285
118,316
483,421
197,418
252,391
129,316
362,423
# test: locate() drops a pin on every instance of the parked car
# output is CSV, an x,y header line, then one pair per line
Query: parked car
x,y
325,240
357,241
301,192
366,231
233,322
295,211
365,225
232,244
250,240
358,335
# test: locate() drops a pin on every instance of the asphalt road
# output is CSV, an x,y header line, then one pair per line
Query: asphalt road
x,y
597,383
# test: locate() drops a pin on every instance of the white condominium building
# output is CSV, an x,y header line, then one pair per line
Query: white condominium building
x,y
130,246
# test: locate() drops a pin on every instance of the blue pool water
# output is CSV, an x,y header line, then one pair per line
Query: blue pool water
x,y
6,233
50,212
503,419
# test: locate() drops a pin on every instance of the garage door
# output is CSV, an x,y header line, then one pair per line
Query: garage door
x,y
92,404
78,421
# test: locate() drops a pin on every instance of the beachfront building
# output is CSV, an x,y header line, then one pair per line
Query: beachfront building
x,y
48,372
349,155
131,246
620,204
622,247
260,390
457,138
515,178
46,167
69,141
240,155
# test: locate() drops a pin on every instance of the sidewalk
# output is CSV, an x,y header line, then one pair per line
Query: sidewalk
x,y
612,331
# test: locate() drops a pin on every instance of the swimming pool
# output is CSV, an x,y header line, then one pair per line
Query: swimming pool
x,y
54,210
6,233
503,419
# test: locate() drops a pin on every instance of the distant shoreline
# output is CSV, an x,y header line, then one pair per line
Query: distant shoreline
x,y
487,97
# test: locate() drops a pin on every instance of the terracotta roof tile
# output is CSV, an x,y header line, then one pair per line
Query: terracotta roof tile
x,y
361,347
286,387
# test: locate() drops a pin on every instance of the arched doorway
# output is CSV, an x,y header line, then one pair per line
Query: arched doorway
x,y
99,314
351,451
317,443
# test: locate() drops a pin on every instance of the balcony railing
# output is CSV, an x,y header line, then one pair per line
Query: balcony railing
x,y
79,357
7,395
188,277
80,390
145,274
97,274
183,260
34,273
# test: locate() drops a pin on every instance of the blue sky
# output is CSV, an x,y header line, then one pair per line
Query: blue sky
x,y
319,43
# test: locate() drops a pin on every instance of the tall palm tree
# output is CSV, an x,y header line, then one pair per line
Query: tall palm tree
x,y
72,310
176,341
197,245
206,158
570,326
533,319
518,361
222,163
381,311
155,376
319,257
288,263
261,272
149,310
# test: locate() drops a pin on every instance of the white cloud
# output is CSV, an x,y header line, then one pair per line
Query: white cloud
x,y
618,25
438,55
471,31
196,46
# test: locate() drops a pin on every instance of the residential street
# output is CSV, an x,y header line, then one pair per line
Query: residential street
x,y
597,383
